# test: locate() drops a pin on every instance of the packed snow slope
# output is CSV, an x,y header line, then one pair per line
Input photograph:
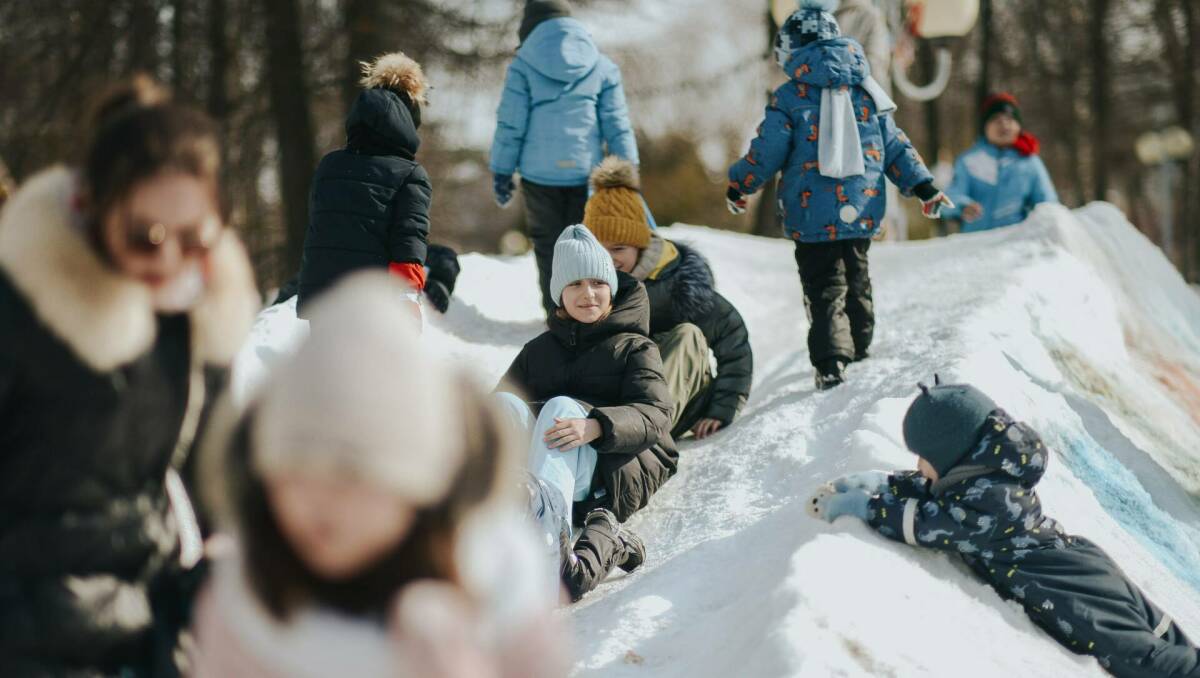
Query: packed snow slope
x,y
1073,321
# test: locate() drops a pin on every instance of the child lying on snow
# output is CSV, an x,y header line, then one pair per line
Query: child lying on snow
x,y
973,495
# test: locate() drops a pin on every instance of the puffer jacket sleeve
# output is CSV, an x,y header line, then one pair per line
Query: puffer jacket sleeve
x,y
613,114
1043,186
769,150
941,524
643,419
902,164
730,343
408,236
512,118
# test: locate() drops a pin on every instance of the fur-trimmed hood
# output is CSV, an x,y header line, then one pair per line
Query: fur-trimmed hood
x,y
107,319
691,282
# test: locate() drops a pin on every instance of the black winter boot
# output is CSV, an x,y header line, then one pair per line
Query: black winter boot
x,y
830,373
632,551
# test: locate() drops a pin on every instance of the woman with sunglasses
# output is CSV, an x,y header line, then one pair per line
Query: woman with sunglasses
x,y
123,299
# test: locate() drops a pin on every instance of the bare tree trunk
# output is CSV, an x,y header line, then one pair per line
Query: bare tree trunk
x,y
293,122
985,52
180,56
365,21
1101,97
143,36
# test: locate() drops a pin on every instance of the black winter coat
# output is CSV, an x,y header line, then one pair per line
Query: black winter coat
x,y
614,369
96,393
987,511
369,202
684,292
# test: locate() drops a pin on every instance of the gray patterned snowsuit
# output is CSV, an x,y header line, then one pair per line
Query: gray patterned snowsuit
x,y
985,510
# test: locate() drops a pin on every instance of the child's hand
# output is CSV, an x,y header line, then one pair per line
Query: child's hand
x,y
503,187
872,482
932,208
828,504
735,201
972,212
568,434
706,427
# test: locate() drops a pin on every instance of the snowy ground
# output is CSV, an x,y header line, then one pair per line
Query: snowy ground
x,y
1073,322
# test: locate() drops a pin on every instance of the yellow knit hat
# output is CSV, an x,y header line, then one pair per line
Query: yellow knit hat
x,y
615,213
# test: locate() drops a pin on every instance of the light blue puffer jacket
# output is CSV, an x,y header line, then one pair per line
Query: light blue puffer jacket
x,y
1006,184
562,104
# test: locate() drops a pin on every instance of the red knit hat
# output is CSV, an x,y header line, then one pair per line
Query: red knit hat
x,y
1003,102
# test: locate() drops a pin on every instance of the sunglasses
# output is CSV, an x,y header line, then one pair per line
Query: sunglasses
x,y
149,238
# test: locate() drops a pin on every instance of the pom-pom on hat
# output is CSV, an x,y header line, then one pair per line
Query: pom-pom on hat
x,y
945,422
398,73
615,213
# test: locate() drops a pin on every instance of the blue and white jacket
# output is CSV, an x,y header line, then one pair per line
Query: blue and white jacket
x,y
1006,184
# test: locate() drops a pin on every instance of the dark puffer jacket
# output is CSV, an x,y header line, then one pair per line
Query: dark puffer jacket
x,y
99,398
987,511
369,203
615,369
684,292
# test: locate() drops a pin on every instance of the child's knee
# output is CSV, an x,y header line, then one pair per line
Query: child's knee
x,y
562,407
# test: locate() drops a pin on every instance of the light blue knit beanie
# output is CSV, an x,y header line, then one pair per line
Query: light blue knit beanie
x,y
579,256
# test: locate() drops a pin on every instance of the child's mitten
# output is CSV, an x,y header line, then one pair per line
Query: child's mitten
x,y
932,200
828,504
872,482
735,201
503,187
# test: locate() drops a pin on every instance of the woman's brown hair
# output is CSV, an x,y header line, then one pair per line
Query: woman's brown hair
x,y
283,582
136,132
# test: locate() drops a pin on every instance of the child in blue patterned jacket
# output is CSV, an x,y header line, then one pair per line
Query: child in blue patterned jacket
x,y
830,130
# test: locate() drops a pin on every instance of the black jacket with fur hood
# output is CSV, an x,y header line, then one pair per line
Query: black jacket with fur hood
x,y
100,398
615,370
683,291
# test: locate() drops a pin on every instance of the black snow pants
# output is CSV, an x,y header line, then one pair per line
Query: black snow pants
x,y
1080,596
549,210
837,298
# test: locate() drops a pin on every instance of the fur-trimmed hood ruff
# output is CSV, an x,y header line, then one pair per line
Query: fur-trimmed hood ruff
x,y
106,318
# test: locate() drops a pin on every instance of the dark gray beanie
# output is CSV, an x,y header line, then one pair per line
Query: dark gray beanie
x,y
537,11
944,423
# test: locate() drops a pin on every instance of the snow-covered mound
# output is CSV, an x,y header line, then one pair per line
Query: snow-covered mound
x,y
1073,321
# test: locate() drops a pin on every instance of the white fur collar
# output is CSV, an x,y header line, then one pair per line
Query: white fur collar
x,y
107,319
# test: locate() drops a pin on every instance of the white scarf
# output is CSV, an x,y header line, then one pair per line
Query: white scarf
x,y
839,147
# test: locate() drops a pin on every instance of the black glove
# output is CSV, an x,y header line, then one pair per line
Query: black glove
x,y
443,266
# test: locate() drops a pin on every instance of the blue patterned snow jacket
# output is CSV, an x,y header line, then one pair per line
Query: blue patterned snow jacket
x,y
562,103
986,510
1006,184
817,208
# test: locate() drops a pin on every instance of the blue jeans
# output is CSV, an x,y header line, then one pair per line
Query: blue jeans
x,y
568,472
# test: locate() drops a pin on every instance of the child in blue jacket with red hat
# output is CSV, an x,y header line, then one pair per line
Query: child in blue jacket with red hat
x,y
829,129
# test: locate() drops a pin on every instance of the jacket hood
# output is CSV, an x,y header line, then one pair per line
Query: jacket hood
x,y
692,284
630,315
560,49
380,122
1010,447
829,63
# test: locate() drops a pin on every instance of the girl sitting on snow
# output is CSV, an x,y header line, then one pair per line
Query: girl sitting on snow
x,y
973,494
361,488
1001,178
599,425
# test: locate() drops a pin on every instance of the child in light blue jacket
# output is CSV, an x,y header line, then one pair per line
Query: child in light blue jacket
x,y
563,109
1000,179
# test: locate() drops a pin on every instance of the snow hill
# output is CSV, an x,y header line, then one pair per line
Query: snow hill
x,y
1073,321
